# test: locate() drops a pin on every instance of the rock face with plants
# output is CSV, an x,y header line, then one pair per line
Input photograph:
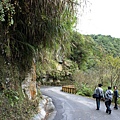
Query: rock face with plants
x,y
28,29
29,84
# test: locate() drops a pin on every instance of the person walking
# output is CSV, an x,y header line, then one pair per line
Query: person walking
x,y
108,99
115,96
100,94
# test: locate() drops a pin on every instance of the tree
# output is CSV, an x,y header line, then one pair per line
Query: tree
x,y
108,70
114,69
82,50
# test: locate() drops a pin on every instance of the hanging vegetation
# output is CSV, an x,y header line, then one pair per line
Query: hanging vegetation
x,y
27,25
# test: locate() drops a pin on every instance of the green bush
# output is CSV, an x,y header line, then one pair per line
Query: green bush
x,y
85,91
118,100
79,92
14,107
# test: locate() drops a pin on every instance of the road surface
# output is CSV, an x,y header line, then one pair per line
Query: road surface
x,y
75,107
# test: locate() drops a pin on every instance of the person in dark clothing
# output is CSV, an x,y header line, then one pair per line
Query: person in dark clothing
x,y
108,99
116,95
100,93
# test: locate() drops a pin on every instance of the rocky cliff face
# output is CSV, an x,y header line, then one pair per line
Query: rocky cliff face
x,y
29,84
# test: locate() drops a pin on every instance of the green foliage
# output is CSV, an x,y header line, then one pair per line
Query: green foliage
x,y
81,50
7,11
23,110
2,13
108,69
109,44
118,101
14,106
85,91
12,96
36,26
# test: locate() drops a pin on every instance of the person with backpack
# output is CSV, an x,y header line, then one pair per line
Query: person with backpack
x,y
108,99
99,94
115,96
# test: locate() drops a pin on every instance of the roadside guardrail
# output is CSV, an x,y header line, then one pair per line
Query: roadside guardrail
x,y
69,89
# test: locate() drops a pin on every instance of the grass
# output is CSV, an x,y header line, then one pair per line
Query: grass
x,y
23,109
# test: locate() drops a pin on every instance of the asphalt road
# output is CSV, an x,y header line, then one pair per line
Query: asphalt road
x,y
76,107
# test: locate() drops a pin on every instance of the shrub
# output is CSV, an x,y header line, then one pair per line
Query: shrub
x,y
85,91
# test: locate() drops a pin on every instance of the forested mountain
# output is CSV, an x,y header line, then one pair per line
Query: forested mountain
x,y
110,44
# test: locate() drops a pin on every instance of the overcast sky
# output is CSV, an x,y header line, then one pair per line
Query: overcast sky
x,y
101,17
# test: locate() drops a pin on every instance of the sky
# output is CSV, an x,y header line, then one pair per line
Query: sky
x,y
100,17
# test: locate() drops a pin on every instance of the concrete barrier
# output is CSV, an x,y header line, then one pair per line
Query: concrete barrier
x,y
69,89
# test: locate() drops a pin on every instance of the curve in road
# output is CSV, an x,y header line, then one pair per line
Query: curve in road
x,y
76,107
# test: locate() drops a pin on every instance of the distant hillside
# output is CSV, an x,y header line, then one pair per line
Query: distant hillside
x,y
110,44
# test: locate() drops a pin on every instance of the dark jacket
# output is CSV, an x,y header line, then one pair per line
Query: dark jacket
x,y
116,93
